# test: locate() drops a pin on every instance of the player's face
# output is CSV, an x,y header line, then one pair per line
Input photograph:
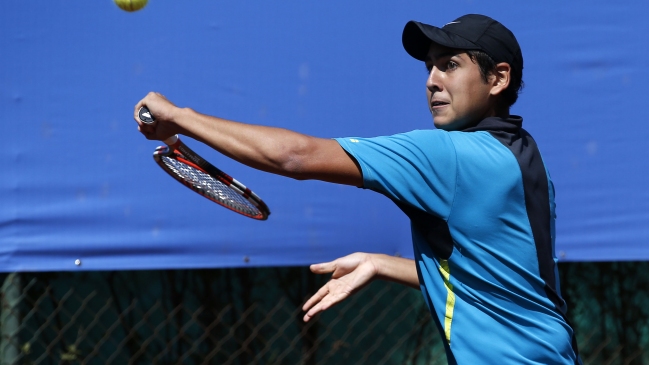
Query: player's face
x,y
457,95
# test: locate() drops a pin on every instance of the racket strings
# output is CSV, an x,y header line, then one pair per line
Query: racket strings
x,y
210,187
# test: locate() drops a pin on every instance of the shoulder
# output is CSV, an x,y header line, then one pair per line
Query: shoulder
x,y
414,135
416,141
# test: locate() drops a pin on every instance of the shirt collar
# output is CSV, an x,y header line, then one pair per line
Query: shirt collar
x,y
512,124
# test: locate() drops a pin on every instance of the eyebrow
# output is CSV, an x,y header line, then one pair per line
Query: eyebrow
x,y
442,55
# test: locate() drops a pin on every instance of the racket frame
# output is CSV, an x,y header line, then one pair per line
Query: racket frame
x,y
176,149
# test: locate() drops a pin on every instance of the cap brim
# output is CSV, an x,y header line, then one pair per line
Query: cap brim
x,y
417,38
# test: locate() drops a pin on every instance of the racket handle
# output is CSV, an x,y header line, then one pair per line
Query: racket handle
x,y
145,115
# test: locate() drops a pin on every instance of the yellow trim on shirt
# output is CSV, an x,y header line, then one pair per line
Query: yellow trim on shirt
x,y
450,298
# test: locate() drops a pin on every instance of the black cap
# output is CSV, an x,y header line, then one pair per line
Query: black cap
x,y
468,32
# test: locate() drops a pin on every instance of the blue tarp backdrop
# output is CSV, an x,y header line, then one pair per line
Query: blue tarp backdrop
x,y
78,181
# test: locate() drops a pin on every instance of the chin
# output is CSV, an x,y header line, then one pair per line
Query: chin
x,y
453,125
443,121
447,126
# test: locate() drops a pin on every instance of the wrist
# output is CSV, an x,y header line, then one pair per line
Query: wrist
x,y
180,118
396,269
377,261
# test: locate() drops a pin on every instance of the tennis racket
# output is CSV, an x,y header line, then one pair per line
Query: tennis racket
x,y
193,171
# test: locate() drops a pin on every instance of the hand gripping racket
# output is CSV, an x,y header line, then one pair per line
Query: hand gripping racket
x,y
193,171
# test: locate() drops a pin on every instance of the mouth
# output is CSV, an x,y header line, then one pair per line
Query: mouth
x,y
437,104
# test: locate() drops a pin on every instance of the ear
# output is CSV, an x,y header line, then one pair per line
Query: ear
x,y
501,78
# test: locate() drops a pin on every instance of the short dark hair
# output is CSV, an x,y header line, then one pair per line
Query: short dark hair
x,y
488,66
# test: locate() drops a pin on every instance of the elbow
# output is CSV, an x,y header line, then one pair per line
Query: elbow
x,y
293,165
294,161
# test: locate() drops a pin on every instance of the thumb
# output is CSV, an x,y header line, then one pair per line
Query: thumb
x,y
323,268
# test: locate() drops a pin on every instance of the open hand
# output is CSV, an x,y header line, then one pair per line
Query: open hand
x,y
350,274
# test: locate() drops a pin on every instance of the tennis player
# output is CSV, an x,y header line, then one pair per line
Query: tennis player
x,y
480,200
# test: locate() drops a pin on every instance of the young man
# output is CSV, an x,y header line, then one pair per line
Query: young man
x,y
478,195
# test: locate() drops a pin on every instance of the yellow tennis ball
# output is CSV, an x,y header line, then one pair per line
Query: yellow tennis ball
x,y
131,5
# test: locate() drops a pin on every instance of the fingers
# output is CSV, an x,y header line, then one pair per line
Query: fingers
x,y
321,301
151,99
316,298
140,104
312,313
136,111
315,304
147,131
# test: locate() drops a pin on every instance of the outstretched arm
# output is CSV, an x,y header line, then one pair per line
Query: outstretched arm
x,y
274,150
355,271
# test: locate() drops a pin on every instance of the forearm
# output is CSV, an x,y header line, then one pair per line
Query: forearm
x,y
396,269
270,149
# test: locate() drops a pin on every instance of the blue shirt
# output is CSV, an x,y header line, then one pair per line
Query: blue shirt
x,y
481,205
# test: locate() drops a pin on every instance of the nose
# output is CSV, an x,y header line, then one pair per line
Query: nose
x,y
433,83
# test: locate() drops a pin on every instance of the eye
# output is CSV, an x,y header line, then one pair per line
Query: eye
x,y
428,68
451,65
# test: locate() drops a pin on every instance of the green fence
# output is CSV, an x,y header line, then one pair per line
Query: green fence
x,y
253,316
